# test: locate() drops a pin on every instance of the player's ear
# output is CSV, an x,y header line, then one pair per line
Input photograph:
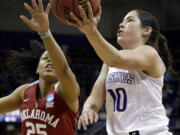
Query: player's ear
x,y
146,31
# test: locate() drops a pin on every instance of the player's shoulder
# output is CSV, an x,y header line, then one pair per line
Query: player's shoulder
x,y
33,83
147,50
23,86
26,85
105,65
19,91
104,68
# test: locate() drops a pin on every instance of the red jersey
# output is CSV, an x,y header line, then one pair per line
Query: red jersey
x,y
46,116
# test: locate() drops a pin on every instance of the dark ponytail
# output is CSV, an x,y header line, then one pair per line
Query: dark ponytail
x,y
164,52
156,39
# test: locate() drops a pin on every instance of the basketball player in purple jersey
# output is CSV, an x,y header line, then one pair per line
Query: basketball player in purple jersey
x,y
131,79
50,105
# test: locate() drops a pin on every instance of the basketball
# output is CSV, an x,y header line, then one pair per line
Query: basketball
x,y
61,8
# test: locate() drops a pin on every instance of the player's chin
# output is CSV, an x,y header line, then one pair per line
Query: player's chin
x,y
49,76
119,40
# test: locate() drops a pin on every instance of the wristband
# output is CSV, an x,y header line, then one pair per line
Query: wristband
x,y
45,34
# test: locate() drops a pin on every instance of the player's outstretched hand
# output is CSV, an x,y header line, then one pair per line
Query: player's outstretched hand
x,y
86,118
39,18
86,23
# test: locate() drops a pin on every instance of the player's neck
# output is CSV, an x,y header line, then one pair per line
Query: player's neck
x,y
44,88
131,45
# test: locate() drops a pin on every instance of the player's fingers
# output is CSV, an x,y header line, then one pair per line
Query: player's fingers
x,y
82,13
28,8
96,117
90,12
84,124
72,24
26,20
41,7
79,123
34,4
86,119
99,13
91,117
48,8
75,18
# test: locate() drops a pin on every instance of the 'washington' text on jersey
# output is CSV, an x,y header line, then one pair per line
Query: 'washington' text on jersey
x,y
40,115
121,77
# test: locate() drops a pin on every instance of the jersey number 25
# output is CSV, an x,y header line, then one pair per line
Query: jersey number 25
x,y
35,128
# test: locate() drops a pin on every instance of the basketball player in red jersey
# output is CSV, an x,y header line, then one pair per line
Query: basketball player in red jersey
x,y
49,106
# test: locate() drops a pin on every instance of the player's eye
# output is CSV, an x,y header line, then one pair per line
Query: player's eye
x,y
130,20
44,58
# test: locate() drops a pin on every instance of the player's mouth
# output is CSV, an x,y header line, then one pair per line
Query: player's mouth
x,y
49,66
119,32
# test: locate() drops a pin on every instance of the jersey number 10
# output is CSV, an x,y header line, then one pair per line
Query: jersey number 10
x,y
120,99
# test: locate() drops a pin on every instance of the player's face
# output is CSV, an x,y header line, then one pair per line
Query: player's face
x,y
45,68
130,30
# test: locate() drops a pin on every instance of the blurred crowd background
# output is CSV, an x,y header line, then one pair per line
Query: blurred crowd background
x,y
14,35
